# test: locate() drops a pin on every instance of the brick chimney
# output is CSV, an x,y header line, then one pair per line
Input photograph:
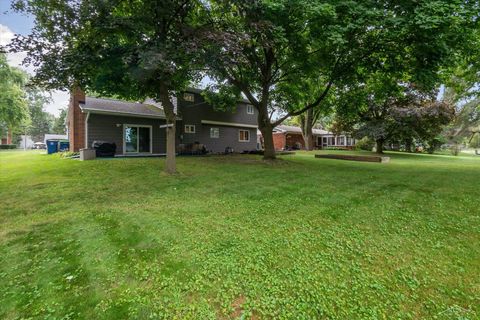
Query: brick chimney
x,y
9,135
76,120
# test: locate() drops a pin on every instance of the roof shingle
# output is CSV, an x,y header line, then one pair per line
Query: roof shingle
x,y
103,105
294,129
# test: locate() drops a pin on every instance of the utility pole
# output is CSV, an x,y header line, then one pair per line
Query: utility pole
x,y
25,140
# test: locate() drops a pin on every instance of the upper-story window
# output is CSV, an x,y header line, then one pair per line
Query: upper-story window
x,y
250,109
189,128
190,97
243,135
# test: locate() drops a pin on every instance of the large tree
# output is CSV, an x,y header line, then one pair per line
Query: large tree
x,y
13,102
286,55
387,109
60,122
132,49
41,122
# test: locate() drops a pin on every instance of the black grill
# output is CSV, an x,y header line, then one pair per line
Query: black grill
x,y
104,148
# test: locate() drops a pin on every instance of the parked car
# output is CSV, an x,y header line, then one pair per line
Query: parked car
x,y
39,145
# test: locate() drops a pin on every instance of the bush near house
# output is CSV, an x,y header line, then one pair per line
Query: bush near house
x,y
365,144
8,146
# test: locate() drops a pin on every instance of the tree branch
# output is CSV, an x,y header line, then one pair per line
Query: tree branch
x,y
307,107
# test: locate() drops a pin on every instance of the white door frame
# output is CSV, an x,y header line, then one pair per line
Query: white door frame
x,y
138,140
324,142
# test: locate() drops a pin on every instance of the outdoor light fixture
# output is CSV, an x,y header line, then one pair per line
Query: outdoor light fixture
x,y
118,125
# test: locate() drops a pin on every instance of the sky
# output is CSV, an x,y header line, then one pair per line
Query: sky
x,y
12,23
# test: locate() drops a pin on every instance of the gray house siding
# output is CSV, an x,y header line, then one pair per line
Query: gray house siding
x,y
200,110
192,113
228,137
104,128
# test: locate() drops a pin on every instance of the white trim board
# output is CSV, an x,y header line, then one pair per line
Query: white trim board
x,y
124,114
229,124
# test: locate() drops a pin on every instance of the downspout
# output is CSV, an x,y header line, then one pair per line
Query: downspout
x,y
86,130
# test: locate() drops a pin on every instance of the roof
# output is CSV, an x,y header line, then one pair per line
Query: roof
x,y
112,106
199,91
293,129
49,136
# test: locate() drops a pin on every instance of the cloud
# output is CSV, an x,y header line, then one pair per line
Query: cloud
x,y
5,35
59,98
14,59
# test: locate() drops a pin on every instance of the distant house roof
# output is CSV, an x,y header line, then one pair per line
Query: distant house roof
x,y
293,129
49,136
119,107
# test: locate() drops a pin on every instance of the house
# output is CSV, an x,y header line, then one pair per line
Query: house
x,y
25,142
290,137
6,137
139,128
53,136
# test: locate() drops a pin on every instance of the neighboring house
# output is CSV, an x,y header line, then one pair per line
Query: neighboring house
x,y
6,138
25,142
290,137
139,128
52,136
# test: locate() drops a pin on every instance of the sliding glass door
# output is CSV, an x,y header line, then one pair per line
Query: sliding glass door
x,y
144,139
137,139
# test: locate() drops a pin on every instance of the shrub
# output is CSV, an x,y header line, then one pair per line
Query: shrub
x,y
455,149
334,148
435,144
69,154
365,144
8,146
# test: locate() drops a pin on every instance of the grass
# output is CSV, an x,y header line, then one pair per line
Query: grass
x,y
234,237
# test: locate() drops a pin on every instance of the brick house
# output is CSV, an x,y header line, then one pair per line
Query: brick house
x,y
7,138
290,137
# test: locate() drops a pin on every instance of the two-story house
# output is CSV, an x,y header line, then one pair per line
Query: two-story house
x,y
139,128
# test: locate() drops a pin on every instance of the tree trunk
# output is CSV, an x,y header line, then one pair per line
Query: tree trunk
x,y
265,127
269,147
379,145
408,145
307,129
168,108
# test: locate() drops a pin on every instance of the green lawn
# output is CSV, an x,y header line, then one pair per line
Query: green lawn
x,y
233,237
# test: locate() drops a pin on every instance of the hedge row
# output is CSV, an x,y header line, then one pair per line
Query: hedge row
x,y
8,146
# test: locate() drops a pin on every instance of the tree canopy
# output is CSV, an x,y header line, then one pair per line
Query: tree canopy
x,y
286,55
13,103
134,50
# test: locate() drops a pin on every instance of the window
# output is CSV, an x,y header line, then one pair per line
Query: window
x,y
341,141
250,109
137,139
190,97
243,135
349,141
214,133
189,128
331,141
